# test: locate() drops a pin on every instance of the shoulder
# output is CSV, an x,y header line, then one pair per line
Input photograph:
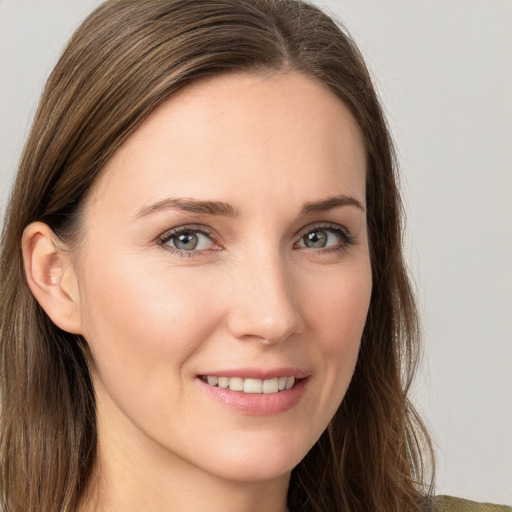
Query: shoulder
x,y
450,504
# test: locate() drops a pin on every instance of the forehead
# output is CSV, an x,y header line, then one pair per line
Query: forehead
x,y
251,134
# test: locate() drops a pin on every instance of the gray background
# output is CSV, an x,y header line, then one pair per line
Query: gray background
x,y
444,71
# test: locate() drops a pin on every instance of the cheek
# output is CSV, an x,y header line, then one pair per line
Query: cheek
x,y
338,306
141,319
337,316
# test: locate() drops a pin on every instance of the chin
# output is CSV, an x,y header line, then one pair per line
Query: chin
x,y
260,461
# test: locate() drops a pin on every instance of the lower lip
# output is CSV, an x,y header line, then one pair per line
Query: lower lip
x,y
258,404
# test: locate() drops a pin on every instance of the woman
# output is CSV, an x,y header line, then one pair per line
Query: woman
x,y
208,308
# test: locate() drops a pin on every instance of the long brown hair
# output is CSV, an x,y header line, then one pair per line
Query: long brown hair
x,y
123,62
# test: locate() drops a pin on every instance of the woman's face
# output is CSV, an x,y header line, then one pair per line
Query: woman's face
x,y
225,244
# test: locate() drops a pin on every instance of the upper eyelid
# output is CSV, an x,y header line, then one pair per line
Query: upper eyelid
x,y
187,227
211,232
322,225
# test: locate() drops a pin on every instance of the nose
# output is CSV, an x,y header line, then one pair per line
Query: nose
x,y
266,302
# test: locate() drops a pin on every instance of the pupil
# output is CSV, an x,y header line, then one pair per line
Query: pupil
x,y
187,241
316,239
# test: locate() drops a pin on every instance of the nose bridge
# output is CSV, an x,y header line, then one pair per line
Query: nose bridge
x,y
265,305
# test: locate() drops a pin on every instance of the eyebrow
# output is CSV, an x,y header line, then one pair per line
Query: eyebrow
x,y
330,203
226,210
189,205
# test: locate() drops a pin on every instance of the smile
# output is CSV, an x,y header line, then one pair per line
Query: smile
x,y
251,386
274,392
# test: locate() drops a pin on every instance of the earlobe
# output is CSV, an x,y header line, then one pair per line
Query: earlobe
x,y
51,276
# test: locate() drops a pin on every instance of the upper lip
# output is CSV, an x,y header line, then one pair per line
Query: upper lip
x,y
258,373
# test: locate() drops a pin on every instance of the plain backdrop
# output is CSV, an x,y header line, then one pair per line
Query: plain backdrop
x,y
443,69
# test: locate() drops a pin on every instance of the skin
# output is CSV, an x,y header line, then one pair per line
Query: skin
x,y
253,295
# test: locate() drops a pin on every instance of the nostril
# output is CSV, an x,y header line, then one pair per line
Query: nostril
x,y
269,329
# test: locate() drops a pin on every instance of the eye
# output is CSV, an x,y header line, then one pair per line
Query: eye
x,y
325,237
188,239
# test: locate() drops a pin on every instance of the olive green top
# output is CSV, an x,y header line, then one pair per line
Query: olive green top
x,y
450,504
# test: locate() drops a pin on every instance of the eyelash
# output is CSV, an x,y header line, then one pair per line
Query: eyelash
x,y
346,238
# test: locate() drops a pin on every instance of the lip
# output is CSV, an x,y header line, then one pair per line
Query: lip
x,y
258,404
259,373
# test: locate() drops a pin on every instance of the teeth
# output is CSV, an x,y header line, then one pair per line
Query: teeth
x,y
254,386
213,381
236,384
271,386
223,382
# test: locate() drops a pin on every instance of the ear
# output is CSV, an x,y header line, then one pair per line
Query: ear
x,y
51,276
